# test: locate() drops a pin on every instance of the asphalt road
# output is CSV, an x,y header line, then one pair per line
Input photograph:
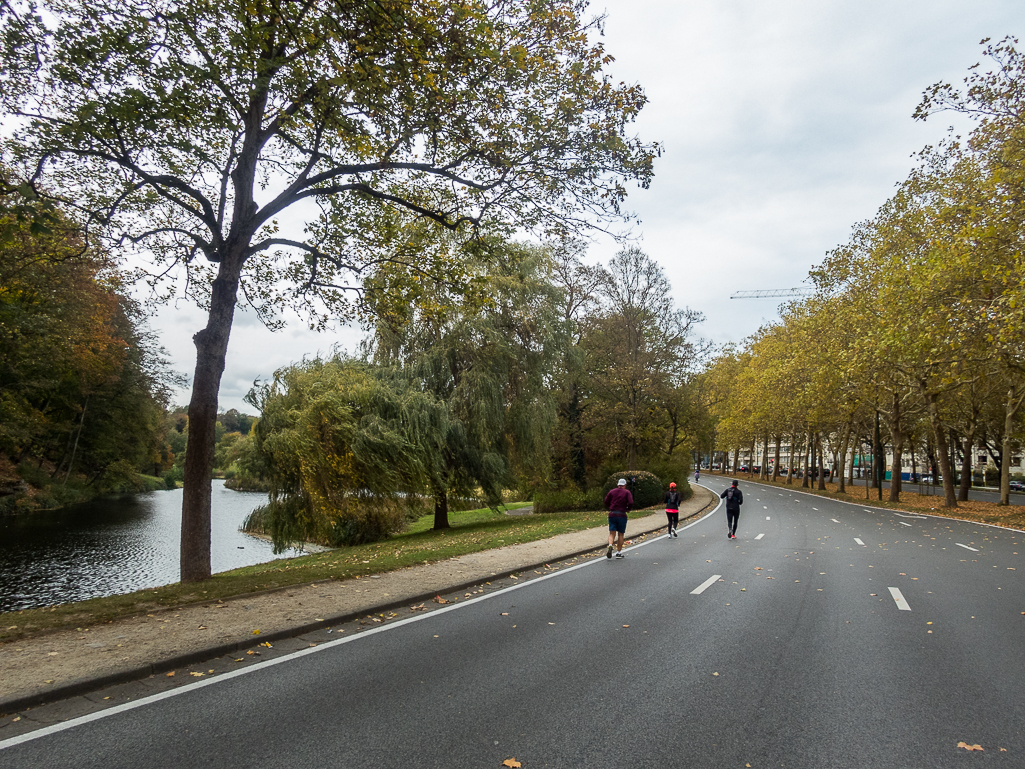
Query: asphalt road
x,y
826,635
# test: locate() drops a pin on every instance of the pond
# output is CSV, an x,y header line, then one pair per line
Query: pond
x,y
116,545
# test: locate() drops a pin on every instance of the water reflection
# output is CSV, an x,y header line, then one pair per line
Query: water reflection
x,y
117,545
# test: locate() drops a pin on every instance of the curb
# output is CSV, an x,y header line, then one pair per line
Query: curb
x,y
87,685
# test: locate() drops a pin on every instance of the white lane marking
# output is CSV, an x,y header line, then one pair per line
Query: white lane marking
x,y
910,516
859,541
767,518
815,509
705,585
973,549
759,536
834,520
898,599
903,524
765,507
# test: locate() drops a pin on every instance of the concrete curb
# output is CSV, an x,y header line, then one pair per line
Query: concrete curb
x,y
87,685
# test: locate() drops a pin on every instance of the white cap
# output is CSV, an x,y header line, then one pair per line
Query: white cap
x,y
622,481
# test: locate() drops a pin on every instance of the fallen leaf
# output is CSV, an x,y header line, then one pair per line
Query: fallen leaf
x,y
171,674
505,614
202,627
439,599
1002,750
256,632
48,682
209,671
252,652
197,675
511,762
319,619
715,674
626,626
757,568
551,623
267,644
966,746
238,660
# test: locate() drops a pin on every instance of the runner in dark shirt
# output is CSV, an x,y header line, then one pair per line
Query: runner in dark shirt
x,y
618,501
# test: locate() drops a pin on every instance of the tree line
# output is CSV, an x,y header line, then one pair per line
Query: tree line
x,y
916,321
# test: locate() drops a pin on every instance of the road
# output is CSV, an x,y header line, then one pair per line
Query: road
x,y
826,635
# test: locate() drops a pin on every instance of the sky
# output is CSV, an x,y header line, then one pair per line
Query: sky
x,y
783,125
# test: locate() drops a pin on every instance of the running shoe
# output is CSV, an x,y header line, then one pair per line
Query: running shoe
x,y
674,533
608,553
620,555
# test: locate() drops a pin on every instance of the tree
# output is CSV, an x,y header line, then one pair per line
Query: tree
x,y
192,129
487,353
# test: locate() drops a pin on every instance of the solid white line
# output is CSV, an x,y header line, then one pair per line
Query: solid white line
x,y
973,549
898,598
859,541
910,516
55,728
834,520
903,524
705,585
759,536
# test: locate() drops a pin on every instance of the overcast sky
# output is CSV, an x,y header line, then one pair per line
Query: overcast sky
x,y
783,123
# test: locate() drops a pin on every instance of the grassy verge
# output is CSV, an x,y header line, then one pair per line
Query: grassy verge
x,y
471,531
1012,516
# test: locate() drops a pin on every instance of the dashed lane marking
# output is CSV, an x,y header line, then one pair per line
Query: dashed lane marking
x,y
705,585
834,520
767,518
859,541
973,549
815,509
903,524
898,598
760,536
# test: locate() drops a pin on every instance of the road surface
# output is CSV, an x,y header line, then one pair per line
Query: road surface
x,y
825,635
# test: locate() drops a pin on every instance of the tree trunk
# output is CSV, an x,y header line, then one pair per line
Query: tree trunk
x,y
1011,406
845,437
967,465
897,435
775,464
940,436
806,480
211,348
822,462
441,510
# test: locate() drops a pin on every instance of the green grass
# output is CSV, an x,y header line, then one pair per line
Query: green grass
x,y
471,531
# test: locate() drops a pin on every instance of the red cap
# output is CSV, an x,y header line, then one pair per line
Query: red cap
x,y
672,485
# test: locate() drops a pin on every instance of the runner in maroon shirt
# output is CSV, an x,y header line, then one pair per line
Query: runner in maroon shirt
x,y
618,501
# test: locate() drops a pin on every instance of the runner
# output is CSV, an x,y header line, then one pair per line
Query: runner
x,y
618,501
734,499
672,510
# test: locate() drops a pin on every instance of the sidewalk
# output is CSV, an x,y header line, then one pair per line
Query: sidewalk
x,y
65,664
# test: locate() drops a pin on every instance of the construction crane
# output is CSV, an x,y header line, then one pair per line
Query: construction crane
x,y
773,293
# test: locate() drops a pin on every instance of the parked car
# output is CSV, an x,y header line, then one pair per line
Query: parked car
x,y
1017,485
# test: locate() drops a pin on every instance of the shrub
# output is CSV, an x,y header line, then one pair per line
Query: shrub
x,y
646,487
563,500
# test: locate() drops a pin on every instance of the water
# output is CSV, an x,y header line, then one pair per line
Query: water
x,y
119,545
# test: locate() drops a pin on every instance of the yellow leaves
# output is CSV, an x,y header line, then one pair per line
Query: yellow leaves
x,y
512,762
439,599
171,674
966,746
256,632
267,644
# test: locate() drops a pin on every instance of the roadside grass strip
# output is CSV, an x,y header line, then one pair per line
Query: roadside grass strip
x,y
706,584
966,547
898,598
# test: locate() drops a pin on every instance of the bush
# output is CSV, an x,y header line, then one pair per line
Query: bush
x,y
120,477
564,500
646,487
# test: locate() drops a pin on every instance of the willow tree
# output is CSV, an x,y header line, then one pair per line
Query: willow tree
x,y
198,131
487,352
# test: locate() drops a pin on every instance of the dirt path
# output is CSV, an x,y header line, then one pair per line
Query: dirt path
x,y
69,663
